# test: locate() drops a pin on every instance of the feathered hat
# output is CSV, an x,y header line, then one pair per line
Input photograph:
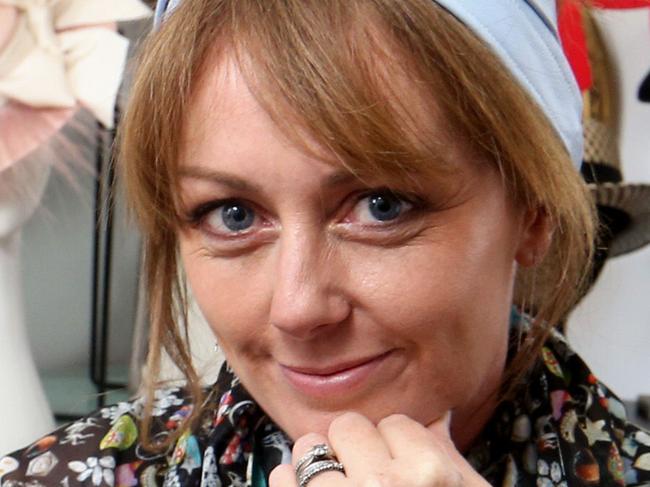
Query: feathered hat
x,y
624,207
57,56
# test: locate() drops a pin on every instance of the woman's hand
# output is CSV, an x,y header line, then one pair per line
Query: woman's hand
x,y
398,452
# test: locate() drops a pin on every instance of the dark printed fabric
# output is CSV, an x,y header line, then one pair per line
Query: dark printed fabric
x,y
105,450
564,429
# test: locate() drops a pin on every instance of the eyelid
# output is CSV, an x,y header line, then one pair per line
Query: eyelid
x,y
196,215
408,197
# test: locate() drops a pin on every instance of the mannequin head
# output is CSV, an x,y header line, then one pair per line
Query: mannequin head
x,y
21,189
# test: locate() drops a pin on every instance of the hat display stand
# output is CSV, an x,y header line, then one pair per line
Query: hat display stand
x,y
609,327
24,407
55,57
102,266
623,207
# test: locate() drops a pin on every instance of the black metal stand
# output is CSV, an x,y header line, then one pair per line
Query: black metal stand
x,y
105,183
102,260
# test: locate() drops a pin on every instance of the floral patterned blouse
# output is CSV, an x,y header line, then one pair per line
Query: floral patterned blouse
x,y
565,429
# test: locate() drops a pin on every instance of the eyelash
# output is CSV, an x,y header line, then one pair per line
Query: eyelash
x,y
197,215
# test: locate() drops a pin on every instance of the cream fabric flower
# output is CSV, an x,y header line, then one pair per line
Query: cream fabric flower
x,y
63,53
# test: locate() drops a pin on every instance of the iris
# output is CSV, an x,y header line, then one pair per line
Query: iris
x,y
237,217
384,206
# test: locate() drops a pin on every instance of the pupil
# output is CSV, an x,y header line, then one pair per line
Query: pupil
x,y
385,207
238,214
237,217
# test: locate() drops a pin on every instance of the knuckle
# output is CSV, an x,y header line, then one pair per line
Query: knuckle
x,y
377,480
431,469
439,473
400,479
449,477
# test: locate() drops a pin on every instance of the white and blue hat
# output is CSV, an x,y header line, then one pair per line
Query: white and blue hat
x,y
163,9
524,35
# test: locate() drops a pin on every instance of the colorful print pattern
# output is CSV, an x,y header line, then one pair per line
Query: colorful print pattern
x,y
564,429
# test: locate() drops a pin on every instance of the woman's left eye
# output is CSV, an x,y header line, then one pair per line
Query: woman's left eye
x,y
380,207
236,217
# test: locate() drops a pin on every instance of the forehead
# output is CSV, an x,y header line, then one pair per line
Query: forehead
x,y
229,137
222,109
232,113
225,120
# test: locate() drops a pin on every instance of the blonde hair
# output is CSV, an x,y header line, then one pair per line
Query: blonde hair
x,y
326,67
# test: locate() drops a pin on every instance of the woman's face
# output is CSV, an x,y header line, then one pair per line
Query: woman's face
x,y
330,295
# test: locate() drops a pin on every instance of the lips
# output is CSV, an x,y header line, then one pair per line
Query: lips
x,y
342,377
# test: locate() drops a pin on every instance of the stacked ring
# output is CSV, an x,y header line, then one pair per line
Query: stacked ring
x,y
317,460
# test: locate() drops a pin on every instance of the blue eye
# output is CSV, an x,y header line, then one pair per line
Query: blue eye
x,y
237,217
384,206
380,207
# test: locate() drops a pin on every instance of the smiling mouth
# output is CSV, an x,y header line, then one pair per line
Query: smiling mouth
x,y
338,378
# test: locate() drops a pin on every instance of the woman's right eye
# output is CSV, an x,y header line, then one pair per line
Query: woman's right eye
x,y
226,218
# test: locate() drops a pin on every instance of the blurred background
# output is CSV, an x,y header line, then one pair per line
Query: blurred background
x,y
79,262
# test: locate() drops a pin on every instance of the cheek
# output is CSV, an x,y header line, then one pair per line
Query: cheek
x,y
447,295
450,268
231,293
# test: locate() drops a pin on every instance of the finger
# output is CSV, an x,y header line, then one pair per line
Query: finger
x,y
324,479
358,445
418,453
441,429
406,437
283,476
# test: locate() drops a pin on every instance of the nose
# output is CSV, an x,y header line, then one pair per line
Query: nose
x,y
308,293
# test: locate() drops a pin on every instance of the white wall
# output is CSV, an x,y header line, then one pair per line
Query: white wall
x,y
57,257
57,266
611,327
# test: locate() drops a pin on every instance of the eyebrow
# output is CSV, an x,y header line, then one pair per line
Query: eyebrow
x,y
338,178
219,177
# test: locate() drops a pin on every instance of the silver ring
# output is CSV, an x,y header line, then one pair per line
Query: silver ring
x,y
315,453
318,467
318,459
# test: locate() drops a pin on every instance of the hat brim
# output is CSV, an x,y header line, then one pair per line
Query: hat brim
x,y
634,200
